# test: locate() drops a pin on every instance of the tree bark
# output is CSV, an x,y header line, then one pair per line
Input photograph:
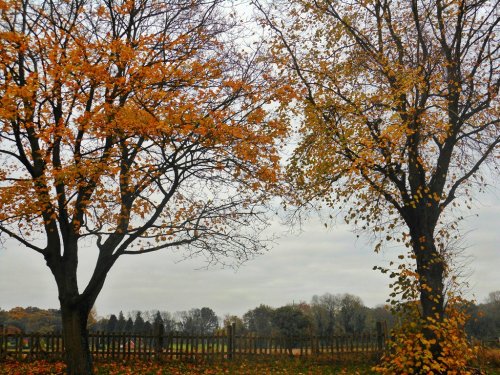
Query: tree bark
x,y
431,269
76,343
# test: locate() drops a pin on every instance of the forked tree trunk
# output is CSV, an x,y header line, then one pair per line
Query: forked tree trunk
x,y
76,343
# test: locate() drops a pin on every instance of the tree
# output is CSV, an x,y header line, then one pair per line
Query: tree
x,y
32,319
494,298
120,324
352,314
138,323
169,322
3,317
229,320
158,324
129,325
209,321
485,321
325,311
399,114
381,313
112,324
92,318
137,125
340,312
291,321
199,321
259,320
148,328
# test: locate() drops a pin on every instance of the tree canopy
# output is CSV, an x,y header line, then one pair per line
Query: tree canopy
x,y
399,115
136,124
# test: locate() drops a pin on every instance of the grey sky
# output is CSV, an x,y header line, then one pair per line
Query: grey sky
x,y
316,261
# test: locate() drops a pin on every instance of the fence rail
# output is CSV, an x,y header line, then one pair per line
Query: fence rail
x,y
224,345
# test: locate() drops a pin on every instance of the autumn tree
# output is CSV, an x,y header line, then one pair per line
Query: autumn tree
x,y
399,114
135,125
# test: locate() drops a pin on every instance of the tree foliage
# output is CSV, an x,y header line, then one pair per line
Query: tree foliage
x,y
340,313
198,321
259,320
32,319
291,321
399,113
135,124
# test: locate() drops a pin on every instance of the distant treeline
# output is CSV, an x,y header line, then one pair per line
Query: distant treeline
x,y
322,316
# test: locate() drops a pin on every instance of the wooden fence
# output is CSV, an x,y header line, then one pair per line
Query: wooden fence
x,y
224,345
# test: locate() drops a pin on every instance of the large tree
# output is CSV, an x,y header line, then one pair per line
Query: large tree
x,y
399,114
137,125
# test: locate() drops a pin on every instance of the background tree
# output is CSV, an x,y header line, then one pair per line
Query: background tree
x,y
120,324
158,324
169,323
138,323
338,313
324,311
32,319
381,313
198,321
238,322
352,314
136,125
209,322
494,298
485,319
399,114
129,325
291,321
259,320
148,328
112,323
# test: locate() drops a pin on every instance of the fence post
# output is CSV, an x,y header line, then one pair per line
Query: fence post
x,y
230,340
159,341
2,338
380,337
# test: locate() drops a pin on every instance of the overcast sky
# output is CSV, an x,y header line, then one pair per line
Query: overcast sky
x,y
316,261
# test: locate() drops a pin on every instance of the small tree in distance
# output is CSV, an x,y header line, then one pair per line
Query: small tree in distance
x,y
135,124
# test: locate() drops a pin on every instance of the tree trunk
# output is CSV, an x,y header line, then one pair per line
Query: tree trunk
x,y
430,268
76,343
